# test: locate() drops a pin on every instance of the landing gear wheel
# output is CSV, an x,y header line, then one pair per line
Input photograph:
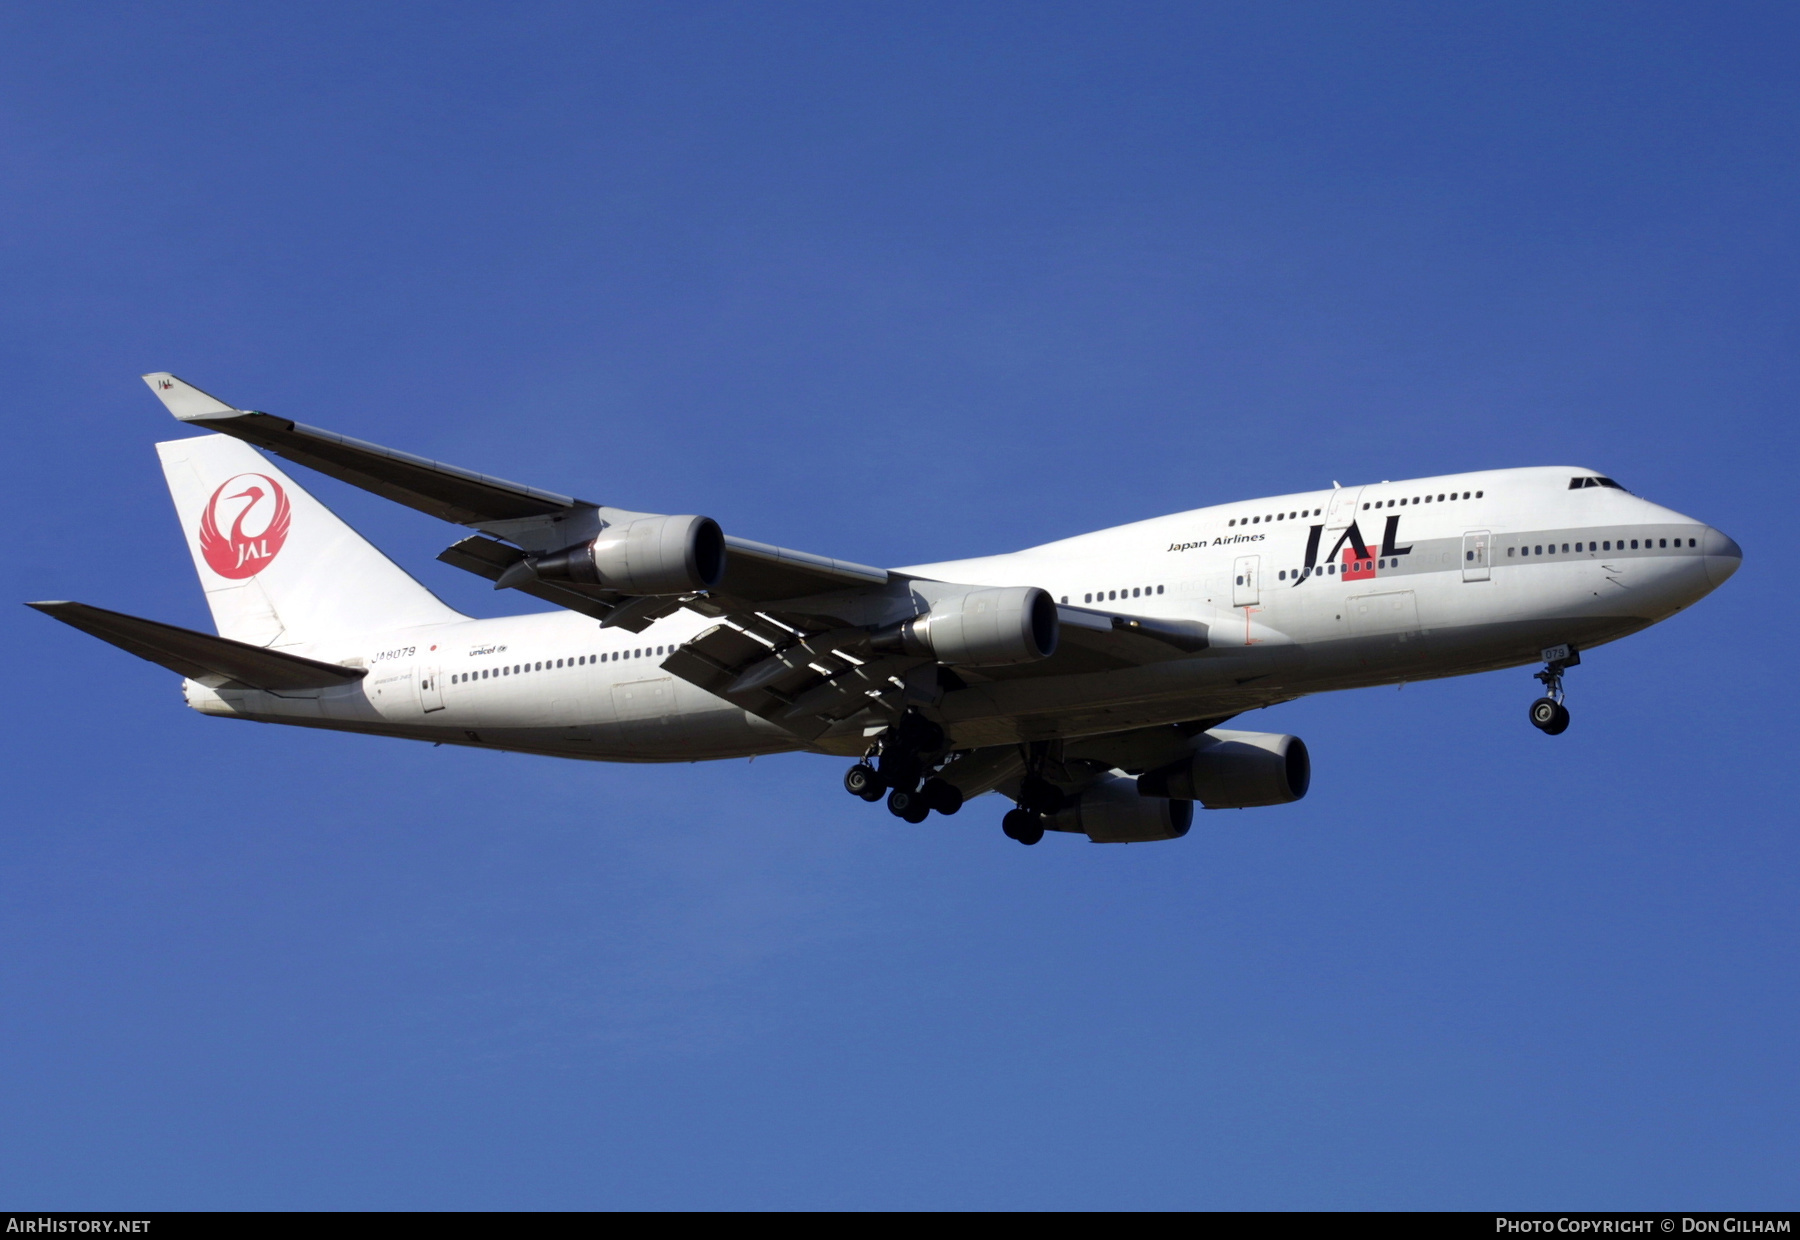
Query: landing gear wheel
x,y
942,795
862,781
1027,828
1550,716
908,805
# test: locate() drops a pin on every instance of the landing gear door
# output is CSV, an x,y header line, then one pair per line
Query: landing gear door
x,y
1343,508
1243,581
431,696
1477,554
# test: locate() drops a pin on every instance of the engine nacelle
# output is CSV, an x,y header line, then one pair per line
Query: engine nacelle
x,y
652,555
1236,770
1113,812
982,628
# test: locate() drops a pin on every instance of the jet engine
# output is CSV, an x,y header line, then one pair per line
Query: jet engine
x,y
1113,812
982,628
652,555
1236,770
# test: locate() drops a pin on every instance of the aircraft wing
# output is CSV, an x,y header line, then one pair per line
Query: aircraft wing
x,y
216,661
533,519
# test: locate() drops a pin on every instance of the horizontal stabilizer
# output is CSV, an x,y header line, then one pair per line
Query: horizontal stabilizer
x,y
218,661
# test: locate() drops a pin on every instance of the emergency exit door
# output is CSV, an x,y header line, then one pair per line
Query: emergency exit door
x,y
431,697
1243,581
1477,554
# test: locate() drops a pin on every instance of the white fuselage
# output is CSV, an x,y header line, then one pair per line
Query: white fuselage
x,y
1300,594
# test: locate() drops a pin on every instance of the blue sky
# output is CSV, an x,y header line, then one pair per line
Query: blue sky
x,y
900,283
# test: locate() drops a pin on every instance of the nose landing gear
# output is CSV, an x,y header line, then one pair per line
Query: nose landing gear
x,y
1548,714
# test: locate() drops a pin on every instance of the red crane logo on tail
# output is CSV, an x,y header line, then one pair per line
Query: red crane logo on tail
x,y
266,511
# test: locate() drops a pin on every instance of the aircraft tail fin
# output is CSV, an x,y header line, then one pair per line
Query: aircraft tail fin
x,y
278,567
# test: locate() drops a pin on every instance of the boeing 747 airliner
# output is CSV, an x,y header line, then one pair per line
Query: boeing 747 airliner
x,y
1087,680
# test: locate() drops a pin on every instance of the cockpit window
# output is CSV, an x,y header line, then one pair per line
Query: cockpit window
x,y
1575,484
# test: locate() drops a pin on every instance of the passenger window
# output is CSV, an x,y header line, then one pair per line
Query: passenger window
x,y
1159,589
1134,592
1565,546
1281,576
1692,543
1332,569
1240,581
1087,598
1255,520
1634,544
1509,552
1365,507
1662,542
1112,594
1479,494
1233,521
1440,499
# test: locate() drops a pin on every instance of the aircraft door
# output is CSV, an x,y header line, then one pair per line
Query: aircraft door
x,y
431,695
652,700
1477,554
1243,581
1342,510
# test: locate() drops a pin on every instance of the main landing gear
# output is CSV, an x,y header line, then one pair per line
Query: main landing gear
x,y
1548,714
1038,799
900,772
911,803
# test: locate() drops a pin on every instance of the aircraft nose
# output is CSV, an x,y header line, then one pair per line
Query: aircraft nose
x,y
1722,554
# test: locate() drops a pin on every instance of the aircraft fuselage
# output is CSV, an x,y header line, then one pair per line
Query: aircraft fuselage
x,y
1299,594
